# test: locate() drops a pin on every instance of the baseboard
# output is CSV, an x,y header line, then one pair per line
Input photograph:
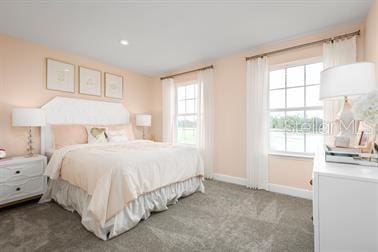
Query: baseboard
x,y
288,190
292,191
230,179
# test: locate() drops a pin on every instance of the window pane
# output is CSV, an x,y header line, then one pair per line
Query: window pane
x,y
293,129
277,120
180,135
295,97
181,93
314,121
186,136
277,140
191,122
313,141
181,121
277,79
190,91
312,96
181,107
190,106
294,121
313,73
277,99
187,122
295,76
295,142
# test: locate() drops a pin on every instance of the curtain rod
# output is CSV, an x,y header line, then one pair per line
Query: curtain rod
x,y
191,71
331,39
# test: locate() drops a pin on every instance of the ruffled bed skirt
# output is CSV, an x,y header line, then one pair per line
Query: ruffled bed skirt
x,y
73,198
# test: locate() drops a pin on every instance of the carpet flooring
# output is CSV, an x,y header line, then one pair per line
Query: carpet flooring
x,y
225,218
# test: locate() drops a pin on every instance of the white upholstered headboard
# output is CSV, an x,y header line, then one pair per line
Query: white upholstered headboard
x,y
63,110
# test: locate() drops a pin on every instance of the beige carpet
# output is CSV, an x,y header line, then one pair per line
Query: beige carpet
x,y
226,218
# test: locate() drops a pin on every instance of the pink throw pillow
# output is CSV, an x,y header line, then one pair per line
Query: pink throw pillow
x,y
69,134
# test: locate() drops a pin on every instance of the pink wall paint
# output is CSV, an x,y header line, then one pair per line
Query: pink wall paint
x,y
229,88
371,42
23,84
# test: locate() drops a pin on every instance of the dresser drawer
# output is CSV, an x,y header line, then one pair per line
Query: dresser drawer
x,y
21,188
21,171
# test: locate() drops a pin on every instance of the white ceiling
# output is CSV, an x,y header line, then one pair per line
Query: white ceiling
x,y
168,35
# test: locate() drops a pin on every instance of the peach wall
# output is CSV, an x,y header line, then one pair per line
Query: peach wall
x,y
230,120
23,84
371,42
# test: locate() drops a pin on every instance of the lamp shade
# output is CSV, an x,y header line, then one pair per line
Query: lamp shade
x,y
347,80
143,120
28,117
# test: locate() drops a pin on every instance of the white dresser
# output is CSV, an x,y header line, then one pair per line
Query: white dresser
x,y
345,207
22,178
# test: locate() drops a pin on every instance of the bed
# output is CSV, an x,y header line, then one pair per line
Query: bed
x,y
113,186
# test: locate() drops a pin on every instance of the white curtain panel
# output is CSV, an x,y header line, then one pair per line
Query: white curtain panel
x,y
168,100
205,122
339,52
257,123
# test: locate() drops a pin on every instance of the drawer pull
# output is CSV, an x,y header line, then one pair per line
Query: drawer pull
x,y
311,182
18,189
17,172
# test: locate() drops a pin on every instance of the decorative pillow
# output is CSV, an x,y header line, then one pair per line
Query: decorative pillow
x,y
96,134
69,134
127,127
117,135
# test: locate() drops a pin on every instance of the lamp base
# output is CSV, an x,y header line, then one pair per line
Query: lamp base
x,y
347,125
29,149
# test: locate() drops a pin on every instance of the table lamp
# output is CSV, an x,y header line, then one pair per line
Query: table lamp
x,y
346,81
143,120
28,117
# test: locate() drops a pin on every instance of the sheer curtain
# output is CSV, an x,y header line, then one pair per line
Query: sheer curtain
x,y
205,121
257,123
335,53
169,106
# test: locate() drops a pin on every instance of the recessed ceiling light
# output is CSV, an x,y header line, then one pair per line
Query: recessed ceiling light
x,y
124,42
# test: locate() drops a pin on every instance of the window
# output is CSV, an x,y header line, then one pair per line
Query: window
x,y
186,113
295,112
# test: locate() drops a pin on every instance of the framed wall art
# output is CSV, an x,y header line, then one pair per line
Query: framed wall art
x,y
89,81
60,75
113,86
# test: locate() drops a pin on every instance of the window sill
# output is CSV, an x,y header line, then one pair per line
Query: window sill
x,y
291,155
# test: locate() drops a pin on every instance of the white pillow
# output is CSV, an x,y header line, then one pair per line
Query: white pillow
x,y
96,134
117,136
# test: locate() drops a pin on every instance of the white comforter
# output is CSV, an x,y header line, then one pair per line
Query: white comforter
x,y
115,174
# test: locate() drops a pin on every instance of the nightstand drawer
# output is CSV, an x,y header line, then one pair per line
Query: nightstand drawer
x,y
22,188
21,171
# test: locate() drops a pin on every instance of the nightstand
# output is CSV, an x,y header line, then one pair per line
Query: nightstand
x,y
21,179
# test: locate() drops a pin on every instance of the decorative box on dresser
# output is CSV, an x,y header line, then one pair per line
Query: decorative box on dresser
x,y
21,178
345,207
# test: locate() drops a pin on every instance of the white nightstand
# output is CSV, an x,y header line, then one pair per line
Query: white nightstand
x,y
21,178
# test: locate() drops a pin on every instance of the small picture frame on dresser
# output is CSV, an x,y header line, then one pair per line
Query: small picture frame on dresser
x,y
113,86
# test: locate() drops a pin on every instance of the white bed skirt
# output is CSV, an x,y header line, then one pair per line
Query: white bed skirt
x,y
73,198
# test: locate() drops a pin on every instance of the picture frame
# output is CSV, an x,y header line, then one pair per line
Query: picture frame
x,y
364,139
365,136
60,75
90,81
113,85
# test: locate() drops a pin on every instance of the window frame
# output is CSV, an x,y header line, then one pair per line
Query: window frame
x,y
302,62
176,115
